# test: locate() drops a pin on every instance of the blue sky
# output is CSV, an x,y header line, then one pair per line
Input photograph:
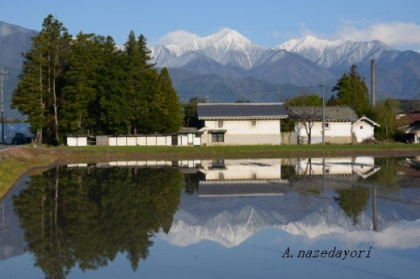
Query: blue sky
x,y
265,22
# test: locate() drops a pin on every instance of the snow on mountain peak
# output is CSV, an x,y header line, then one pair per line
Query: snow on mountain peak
x,y
329,53
308,42
229,47
178,38
218,47
224,40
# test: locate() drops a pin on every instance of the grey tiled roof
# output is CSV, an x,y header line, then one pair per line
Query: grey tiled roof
x,y
409,106
241,111
187,130
315,113
239,188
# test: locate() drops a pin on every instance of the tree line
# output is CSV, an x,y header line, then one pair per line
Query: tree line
x,y
88,85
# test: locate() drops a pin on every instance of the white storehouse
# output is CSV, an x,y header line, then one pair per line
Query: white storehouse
x,y
241,123
364,128
341,125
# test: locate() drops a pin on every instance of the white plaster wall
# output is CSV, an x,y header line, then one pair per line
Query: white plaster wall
x,y
244,126
365,133
242,132
335,166
335,130
141,141
417,137
315,166
71,141
269,169
151,140
77,141
131,141
121,141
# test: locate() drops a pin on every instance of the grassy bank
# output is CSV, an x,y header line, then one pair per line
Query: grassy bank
x,y
201,152
16,161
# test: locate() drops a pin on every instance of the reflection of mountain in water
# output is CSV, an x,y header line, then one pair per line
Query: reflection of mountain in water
x,y
230,221
12,241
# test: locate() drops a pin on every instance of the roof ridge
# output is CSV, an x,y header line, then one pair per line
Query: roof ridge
x,y
238,104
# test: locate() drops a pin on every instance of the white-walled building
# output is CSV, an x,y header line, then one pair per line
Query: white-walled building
x,y
241,123
364,128
341,124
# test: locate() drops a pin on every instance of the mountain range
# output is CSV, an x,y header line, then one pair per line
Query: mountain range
x,y
226,66
302,64
14,40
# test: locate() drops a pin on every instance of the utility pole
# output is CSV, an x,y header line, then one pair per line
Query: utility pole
x,y
323,113
3,77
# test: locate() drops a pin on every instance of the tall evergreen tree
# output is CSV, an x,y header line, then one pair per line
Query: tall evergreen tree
x,y
30,96
81,84
58,41
165,106
352,91
38,92
141,81
114,101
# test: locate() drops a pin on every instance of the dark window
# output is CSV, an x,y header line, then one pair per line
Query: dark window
x,y
218,163
218,137
327,125
253,123
361,127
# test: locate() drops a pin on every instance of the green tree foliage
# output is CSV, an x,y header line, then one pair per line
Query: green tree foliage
x,y
165,108
88,217
85,85
38,93
352,91
190,112
386,178
30,96
81,84
305,100
385,112
141,83
114,102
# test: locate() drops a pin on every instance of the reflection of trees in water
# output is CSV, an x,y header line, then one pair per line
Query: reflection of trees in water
x,y
386,177
353,201
191,182
89,216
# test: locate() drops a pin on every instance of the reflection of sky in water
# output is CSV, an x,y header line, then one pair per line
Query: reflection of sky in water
x,y
260,256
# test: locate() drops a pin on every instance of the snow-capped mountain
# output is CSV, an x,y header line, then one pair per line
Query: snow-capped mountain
x,y
226,47
335,53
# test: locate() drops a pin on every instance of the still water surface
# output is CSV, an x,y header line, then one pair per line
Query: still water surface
x,y
257,218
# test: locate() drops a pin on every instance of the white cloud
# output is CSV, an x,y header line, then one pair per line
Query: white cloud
x,y
178,38
276,34
395,34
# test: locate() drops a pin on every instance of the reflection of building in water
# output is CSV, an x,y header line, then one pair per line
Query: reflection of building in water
x,y
357,166
262,177
245,169
246,177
